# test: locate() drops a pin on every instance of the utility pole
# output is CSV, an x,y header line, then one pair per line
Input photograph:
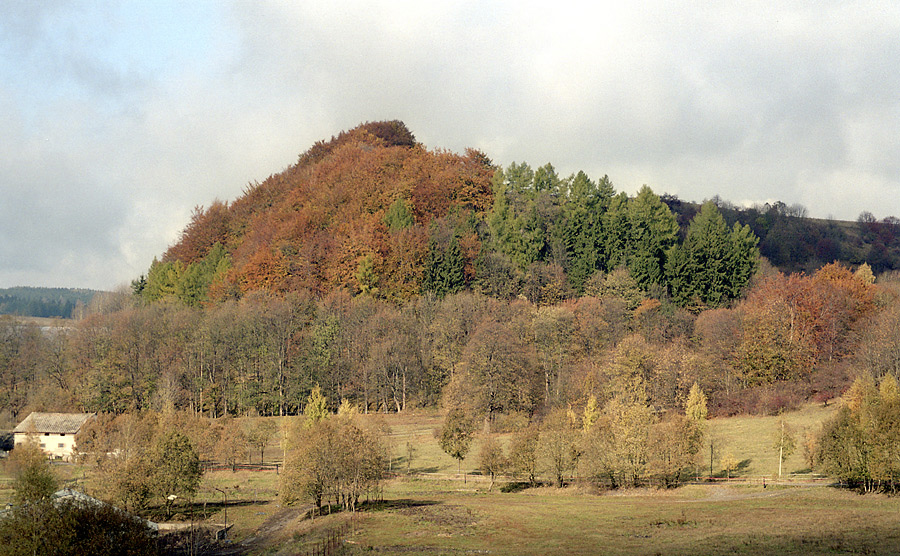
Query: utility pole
x,y
225,529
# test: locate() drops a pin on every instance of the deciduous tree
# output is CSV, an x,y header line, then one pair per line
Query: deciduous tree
x,y
455,436
175,467
491,459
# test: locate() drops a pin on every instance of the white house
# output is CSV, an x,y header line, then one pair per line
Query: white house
x,y
55,432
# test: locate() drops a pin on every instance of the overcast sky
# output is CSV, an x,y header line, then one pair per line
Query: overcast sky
x,y
117,118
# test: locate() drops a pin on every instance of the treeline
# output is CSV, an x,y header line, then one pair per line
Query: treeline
x,y
624,443
791,338
44,302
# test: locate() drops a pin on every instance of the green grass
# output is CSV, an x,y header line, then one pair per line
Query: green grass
x,y
749,440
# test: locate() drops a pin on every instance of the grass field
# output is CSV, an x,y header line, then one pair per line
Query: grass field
x,y
431,511
423,518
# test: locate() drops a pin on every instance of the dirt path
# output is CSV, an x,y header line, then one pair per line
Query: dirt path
x,y
268,533
272,527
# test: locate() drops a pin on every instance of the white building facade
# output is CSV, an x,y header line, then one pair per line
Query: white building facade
x,y
54,432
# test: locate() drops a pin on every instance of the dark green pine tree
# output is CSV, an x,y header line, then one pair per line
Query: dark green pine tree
x,y
742,262
444,268
696,269
713,265
433,264
454,275
678,275
615,226
545,179
653,229
519,228
583,215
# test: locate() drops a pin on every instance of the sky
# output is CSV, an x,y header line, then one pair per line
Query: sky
x,y
117,119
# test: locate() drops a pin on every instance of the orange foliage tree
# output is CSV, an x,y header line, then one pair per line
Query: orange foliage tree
x,y
791,323
314,225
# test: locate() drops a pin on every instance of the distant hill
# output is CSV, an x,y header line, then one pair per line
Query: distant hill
x,y
43,302
794,242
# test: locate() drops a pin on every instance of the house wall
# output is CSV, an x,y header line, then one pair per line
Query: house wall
x,y
55,445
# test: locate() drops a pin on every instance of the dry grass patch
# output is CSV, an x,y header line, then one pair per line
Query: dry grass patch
x,y
698,520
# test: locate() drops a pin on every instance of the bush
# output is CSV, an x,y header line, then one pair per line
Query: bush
x,y
74,528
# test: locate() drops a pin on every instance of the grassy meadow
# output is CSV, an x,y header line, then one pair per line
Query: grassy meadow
x,y
697,519
432,510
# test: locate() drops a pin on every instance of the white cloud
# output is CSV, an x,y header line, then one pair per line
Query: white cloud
x,y
116,123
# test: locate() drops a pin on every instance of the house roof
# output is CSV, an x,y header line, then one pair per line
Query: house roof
x,y
57,423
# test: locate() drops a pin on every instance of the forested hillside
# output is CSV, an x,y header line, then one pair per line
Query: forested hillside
x,y
395,277
373,212
43,302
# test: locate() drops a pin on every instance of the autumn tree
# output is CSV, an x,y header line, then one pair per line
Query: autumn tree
x,y
784,442
553,327
695,406
859,444
791,323
491,459
231,441
673,447
316,408
558,445
120,449
334,458
523,453
259,434
497,372
74,528
615,448
33,478
455,436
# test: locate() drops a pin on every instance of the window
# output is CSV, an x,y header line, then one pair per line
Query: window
x,y
43,445
61,445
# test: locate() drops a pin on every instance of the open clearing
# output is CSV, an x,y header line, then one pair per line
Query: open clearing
x,y
703,519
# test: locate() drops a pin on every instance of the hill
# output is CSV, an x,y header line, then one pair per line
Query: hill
x,y
43,302
373,211
356,209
